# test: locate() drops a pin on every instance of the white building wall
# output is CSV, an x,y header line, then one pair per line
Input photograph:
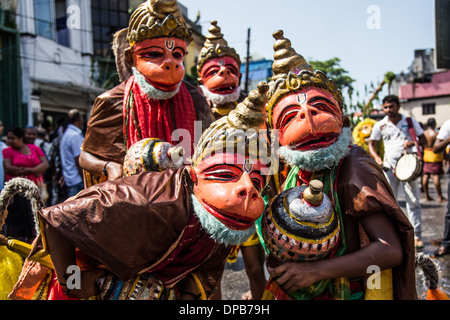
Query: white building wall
x,y
45,61
413,108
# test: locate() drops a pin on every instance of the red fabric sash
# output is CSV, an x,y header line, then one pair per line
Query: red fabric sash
x,y
148,118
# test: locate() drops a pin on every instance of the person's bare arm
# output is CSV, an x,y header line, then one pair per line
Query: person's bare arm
x,y
93,164
440,145
12,169
373,151
40,168
62,253
384,251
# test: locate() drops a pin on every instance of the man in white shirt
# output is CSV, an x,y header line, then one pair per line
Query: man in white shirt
x,y
70,152
442,141
394,130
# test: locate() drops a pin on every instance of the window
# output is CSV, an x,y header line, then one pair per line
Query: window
x,y
108,17
43,10
428,108
62,32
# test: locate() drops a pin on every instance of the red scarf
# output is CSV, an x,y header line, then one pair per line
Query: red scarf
x,y
149,118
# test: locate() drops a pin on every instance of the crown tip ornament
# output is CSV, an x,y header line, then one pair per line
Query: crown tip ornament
x,y
291,73
215,46
156,19
248,115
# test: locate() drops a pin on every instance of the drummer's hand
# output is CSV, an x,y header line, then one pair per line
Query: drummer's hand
x,y
379,161
407,144
114,170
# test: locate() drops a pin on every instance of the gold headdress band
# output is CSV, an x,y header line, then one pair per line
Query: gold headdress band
x,y
215,46
237,129
157,19
291,73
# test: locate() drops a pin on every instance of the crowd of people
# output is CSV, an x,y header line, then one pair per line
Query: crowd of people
x,y
46,155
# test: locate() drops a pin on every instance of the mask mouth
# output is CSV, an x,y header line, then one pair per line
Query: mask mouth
x,y
163,86
224,89
231,220
313,143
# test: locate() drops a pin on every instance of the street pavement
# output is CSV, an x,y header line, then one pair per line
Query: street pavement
x,y
235,282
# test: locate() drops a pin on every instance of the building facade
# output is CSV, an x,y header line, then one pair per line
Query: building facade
x,y
65,54
425,92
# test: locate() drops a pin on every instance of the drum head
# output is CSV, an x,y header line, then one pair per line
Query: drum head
x,y
408,167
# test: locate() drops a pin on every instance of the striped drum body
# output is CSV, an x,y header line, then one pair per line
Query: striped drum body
x,y
296,230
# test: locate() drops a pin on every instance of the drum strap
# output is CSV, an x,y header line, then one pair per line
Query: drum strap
x,y
413,135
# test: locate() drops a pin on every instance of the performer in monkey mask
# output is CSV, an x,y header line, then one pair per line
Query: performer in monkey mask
x,y
158,235
305,107
152,101
219,72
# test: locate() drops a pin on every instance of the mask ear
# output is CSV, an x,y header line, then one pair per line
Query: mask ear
x,y
193,175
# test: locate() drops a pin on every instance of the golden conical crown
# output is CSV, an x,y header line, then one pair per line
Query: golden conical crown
x,y
157,19
215,46
291,73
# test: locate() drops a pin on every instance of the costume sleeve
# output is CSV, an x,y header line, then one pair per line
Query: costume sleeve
x,y
104,134
363,190
126,224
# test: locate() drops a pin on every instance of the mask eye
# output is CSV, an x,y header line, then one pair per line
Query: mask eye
x,y
151,55
287,116
220,175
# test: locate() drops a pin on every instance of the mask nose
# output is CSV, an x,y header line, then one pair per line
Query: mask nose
x,y
308,114
246,189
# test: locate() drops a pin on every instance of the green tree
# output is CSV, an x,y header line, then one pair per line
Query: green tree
x,y
333,70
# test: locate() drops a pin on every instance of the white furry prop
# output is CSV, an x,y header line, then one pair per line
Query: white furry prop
x,y
219,99
150,91
316,160
216,229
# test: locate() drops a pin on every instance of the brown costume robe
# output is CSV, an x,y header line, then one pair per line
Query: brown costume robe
x,y
104,135
362,189
141,223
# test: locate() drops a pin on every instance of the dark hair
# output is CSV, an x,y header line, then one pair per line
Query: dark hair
x,y
391,98
431,122
18,132
73,115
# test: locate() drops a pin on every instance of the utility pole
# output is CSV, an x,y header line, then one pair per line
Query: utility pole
x,y
247,61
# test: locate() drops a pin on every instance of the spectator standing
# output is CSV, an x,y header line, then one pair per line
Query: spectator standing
x,y
42,142
30,134
2,146
27,161
442,141
71,142
394,130
433,163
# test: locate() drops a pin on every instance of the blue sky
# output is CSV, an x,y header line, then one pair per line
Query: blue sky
x,y
323,29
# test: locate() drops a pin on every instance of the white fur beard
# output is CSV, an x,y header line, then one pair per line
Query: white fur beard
x,y
216,229
316,160
219,99
150,91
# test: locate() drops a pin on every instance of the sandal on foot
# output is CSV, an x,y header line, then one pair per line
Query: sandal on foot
x,y
442,251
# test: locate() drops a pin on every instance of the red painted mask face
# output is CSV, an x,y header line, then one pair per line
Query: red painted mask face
x,y
229,188
221,75
160,60
311,119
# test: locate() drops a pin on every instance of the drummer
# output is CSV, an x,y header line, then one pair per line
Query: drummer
x,y
394,131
